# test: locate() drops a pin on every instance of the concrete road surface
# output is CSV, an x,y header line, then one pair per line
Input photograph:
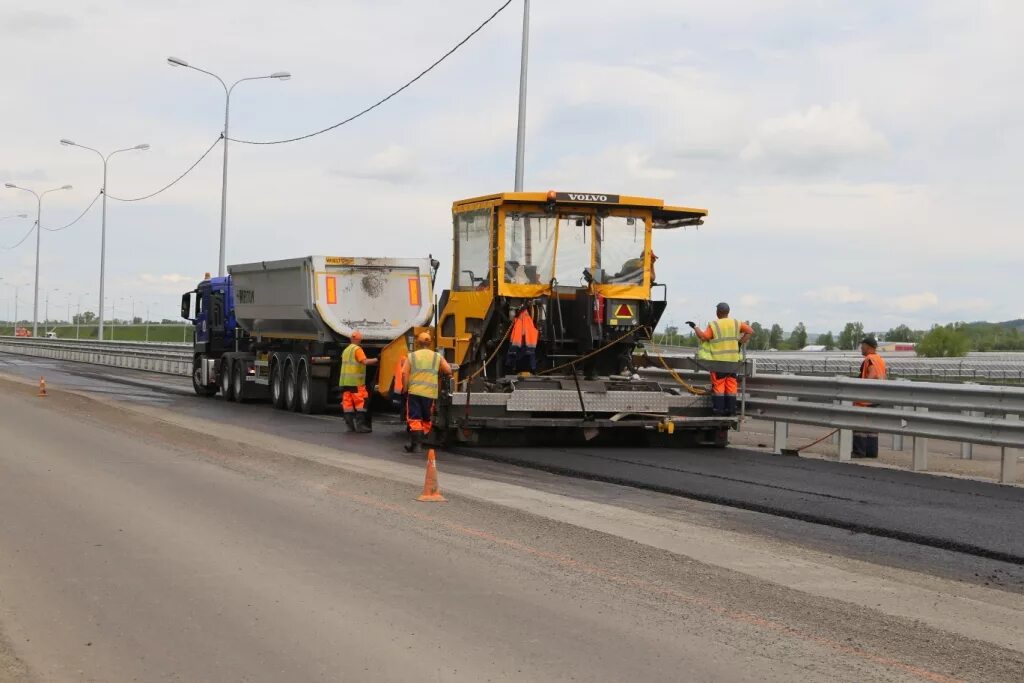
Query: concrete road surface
x,y
133,548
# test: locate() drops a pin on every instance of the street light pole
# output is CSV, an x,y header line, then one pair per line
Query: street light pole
x,y
278,75
521,130
39,230
103,224
46,307
78,318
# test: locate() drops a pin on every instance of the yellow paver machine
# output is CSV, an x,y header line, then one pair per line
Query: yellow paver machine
x,y
550,306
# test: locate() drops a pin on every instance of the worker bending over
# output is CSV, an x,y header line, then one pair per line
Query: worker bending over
x,y
421,378
353,385
722,341
865,444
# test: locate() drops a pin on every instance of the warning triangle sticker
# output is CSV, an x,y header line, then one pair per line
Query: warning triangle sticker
x,y
624,311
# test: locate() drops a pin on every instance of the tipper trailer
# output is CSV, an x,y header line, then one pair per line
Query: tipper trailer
x,y
277,328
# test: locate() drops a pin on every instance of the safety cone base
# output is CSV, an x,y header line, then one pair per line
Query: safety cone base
x,y
432,498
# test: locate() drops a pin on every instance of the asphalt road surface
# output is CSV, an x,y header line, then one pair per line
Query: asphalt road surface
x,y
152,545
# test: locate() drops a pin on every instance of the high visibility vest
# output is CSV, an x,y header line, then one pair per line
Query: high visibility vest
x,y
400,374
704,351
726,344
424,366
353,373
524,331
875,360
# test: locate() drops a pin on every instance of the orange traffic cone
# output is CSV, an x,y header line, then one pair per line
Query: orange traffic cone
x,y
42,386
431,494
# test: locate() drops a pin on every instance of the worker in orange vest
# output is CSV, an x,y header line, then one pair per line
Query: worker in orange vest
x,y
522,343
352,381
723,341
420,380
865,444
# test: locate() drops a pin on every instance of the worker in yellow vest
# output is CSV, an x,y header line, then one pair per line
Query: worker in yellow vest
x,y
721,342
352,381
422,373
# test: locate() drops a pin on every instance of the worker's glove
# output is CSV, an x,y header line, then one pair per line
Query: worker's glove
x,y
692,325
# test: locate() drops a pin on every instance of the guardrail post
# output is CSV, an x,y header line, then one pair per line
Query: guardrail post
x,y
781,431
1008,465
845,440
966,448
920,461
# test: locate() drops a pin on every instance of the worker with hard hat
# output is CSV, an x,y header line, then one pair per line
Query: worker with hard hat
x,y
865,444
352,381
722,341
422,373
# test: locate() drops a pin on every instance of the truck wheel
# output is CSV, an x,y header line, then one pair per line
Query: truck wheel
x,y
291,399
277,391
227,389
204,390
238,382
312,393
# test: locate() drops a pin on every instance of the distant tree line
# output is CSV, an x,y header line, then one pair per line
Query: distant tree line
x,y
951,340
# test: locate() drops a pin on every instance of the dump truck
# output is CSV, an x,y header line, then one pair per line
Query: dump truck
x,y
276,329
551,305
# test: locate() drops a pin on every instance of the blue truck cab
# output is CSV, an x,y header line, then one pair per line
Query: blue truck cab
x,y
211,310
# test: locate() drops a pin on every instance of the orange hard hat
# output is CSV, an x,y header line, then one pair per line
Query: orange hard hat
x,y
357,336
423,338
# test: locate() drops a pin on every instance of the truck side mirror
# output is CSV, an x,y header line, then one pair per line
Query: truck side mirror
x,y
186,306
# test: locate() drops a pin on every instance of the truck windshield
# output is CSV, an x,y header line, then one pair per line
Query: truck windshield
x,y
622,242
574,248
529,248
472,246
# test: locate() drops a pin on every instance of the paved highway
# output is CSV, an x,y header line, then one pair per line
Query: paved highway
x,y
152,544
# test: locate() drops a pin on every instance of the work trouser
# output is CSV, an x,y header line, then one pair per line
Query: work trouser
x,y
353,399
420,413
865,444
724,388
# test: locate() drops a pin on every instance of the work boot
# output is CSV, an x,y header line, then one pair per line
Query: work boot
x,y
730,406
362,426
860,449
717,405
350,421
415,439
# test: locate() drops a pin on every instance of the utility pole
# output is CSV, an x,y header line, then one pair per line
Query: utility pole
x,y
523,68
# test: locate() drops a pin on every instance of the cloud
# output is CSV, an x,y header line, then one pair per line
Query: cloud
x,y
394,164
836,294
912,303
750,300
815,140
22,22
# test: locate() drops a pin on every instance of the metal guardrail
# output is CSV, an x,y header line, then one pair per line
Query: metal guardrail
x,y
969,414
170,359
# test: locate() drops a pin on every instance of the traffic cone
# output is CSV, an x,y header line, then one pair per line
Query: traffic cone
x,y
42,386
431,494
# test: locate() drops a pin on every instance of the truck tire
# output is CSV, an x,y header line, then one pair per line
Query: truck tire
x,y
238,388
277,391
291,389
204,390
227,389
312,392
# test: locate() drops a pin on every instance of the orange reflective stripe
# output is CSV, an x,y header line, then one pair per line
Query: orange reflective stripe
x,y
414,291
332,289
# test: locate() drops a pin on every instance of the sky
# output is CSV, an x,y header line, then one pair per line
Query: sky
x,y
860,161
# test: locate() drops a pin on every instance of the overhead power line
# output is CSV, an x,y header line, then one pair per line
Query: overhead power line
x,y
80,216
22,240
378,103
173,182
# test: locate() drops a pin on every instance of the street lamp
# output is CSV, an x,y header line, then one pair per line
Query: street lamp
x,y
524,58
103,228
16,287
46,307
277,75
39,230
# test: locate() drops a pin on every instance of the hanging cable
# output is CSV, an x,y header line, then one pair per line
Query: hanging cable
x,y
373,106
176,180
80,216
23,238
